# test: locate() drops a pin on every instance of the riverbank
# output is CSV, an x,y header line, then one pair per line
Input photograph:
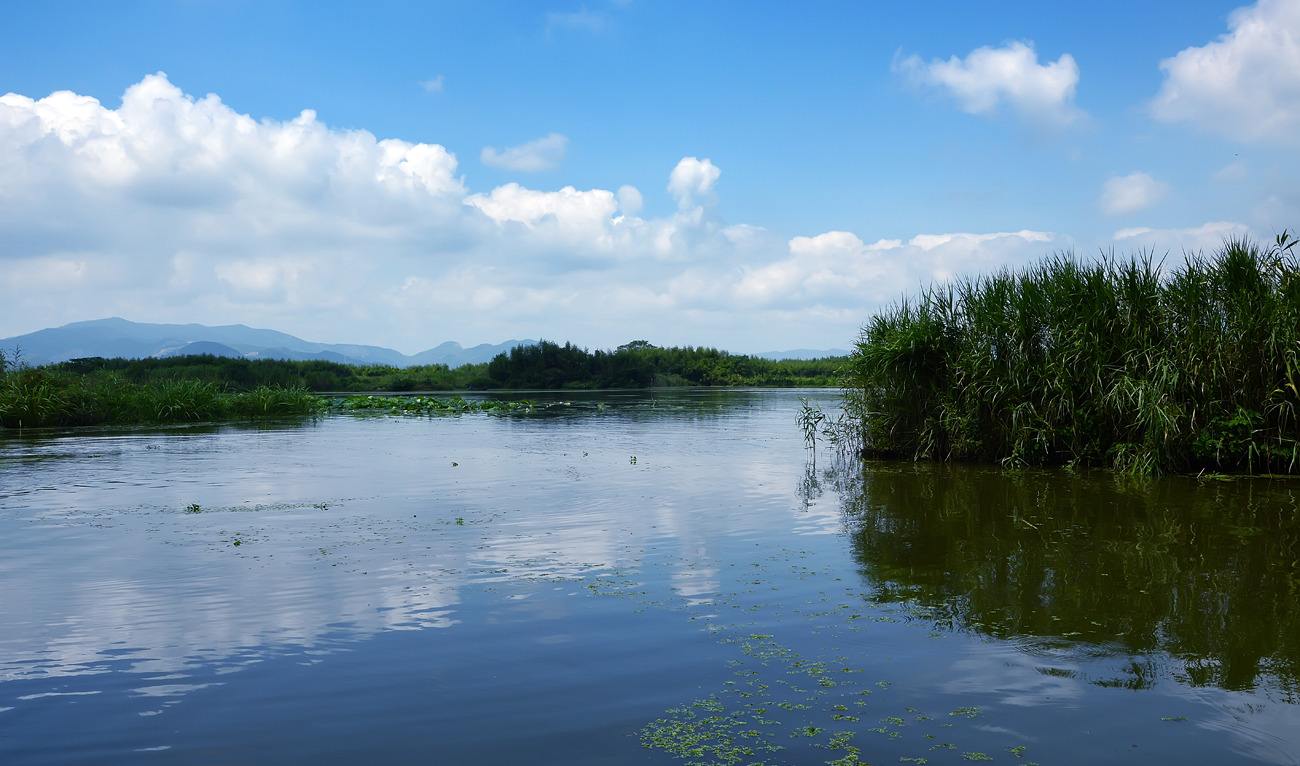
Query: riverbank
x,y
541,366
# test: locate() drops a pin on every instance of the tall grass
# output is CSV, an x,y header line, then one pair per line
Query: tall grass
x,y
1117,363
31,398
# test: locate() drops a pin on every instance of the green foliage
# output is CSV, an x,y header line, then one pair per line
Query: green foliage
x,y
1114,363
251,374
41,397
638,364
543,366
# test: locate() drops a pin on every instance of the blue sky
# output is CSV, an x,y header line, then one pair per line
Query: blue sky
x,y
877,120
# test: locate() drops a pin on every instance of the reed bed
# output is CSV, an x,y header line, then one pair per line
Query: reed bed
x,y
1120,363
35,398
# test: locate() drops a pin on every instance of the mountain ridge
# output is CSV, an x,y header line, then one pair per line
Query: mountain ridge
x,y
118,337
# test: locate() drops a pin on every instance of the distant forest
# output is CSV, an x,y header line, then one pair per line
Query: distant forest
x,y
545,365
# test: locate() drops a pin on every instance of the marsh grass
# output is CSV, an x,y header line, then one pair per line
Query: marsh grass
x,y
1117,363
39,397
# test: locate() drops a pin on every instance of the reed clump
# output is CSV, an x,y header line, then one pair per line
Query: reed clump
x,y
1124,364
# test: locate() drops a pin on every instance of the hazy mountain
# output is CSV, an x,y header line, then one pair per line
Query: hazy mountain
x,y
199,347
803,353
118,337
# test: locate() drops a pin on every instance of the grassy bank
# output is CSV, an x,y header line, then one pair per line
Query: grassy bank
x,y
1116,363
45,397
32,398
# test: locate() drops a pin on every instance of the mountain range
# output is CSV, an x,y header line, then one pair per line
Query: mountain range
x,y
117,337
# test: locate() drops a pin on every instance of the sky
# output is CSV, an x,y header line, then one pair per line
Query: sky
x,y
748,175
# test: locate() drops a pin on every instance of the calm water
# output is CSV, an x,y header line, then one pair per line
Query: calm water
x,y
497,590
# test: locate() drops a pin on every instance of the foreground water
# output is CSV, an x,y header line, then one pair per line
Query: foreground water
x,y
627,579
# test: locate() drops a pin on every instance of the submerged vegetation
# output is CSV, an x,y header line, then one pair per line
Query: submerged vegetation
x,y
1122,364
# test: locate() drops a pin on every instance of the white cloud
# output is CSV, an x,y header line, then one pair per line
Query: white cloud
x,y
692,181
1203,238
629,200
542,153
990,78
1121,195
434,84
175,208
1246,84
583,218
837,268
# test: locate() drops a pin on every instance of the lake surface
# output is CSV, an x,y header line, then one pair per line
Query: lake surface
x,y
627,578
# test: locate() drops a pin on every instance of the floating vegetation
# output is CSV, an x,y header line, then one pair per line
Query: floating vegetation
x,y
433,405
704,732
778,695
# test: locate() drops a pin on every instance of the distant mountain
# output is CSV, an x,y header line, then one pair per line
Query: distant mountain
x,y
803,353
200,347
118,337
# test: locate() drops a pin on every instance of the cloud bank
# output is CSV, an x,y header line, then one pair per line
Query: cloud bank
x,y
172,207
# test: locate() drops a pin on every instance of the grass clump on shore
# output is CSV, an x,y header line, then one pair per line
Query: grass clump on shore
x,y
1121,364
36,398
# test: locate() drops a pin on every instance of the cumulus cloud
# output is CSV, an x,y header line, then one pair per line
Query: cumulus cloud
x,y
837,268
1121,195
629,199
989,79
434,84
170,207
1246,84
542,153
692,181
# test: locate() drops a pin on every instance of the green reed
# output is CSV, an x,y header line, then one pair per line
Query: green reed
x,y
1119,363
34,398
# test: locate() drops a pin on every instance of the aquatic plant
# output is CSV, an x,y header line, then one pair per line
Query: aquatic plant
x,y
1118,363
810,419
430,405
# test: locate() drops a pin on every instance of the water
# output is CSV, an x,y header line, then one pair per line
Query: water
x,y
518,589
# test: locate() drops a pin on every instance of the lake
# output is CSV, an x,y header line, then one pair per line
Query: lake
x,y
640,577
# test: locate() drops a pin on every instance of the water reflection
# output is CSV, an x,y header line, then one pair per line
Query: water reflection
x,y
1202,575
